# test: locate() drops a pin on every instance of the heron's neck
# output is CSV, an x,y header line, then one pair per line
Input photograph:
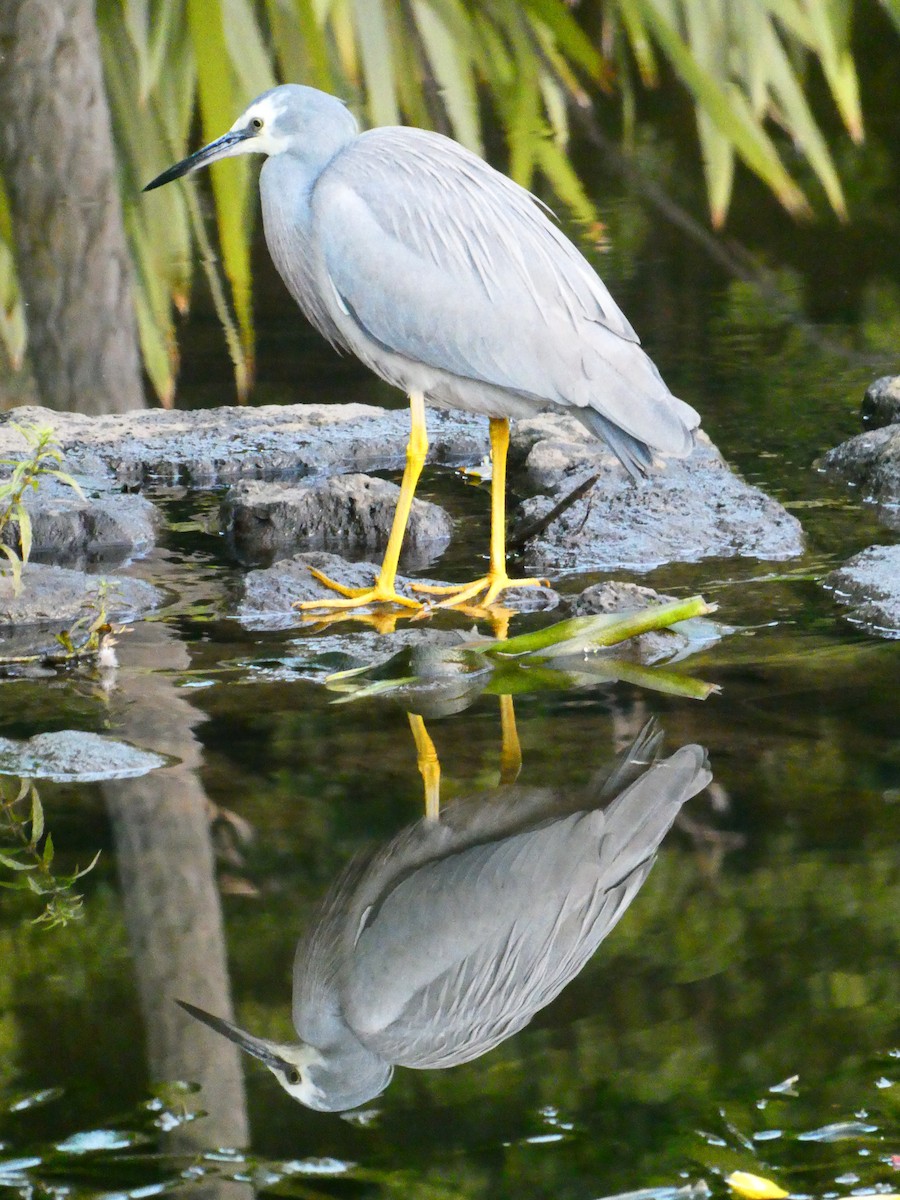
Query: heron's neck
x,y
285,187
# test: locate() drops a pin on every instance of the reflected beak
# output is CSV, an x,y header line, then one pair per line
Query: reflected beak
x,y
222,147
265,1051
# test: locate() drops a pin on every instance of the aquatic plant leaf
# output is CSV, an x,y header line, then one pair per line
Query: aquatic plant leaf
x,y
577,634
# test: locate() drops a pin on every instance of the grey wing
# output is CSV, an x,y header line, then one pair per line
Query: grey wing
x,y
440,259
464,951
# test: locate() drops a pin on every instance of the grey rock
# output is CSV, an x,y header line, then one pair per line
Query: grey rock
x,y
869,583
53,598
71,756
881,403
102,526
869,461
686,510
615,597
349,512
269,594
210,446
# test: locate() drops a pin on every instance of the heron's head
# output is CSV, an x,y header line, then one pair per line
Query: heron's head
x,y
329,1081
292,118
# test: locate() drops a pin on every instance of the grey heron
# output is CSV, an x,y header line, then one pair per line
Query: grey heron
x,y
451,282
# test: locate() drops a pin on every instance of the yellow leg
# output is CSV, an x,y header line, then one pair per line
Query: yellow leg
x,y
510,749
384,590
429,767
496,579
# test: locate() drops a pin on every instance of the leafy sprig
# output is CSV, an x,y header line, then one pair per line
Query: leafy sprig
x,y
28,853
43,461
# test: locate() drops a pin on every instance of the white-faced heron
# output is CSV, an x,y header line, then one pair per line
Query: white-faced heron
x,y
451,282
433,949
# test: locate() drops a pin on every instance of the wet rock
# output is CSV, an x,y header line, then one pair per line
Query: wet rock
x,y
869,583
269,594
53,598
869,461
881,403
647,648
614,597
71,756
349,512
101,526
211,446
686,510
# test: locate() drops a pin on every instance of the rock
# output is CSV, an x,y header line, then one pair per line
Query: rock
x,y
613,597
869,461
686,510
881,403
646,648
102,526
269,594
53,598
869,583
206,447
348,512
71,756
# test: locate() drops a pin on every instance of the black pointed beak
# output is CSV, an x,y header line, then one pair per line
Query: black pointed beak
x,y
220,148
263,1050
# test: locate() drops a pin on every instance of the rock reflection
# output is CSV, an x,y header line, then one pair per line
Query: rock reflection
x,y
436,947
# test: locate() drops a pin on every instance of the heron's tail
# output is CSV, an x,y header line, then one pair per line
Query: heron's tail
x,y
641,815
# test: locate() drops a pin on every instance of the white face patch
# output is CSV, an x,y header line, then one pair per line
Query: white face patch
x,y
264,141
301,1058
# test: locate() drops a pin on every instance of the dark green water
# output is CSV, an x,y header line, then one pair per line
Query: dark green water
x,y
762,947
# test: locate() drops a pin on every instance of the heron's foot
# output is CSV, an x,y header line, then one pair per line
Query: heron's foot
x,y
382,592
491,584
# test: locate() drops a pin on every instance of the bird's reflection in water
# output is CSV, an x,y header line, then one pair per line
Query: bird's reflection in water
x,y
431,950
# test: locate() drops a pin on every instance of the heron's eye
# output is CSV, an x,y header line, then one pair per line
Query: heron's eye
x,y
293,1076
256,124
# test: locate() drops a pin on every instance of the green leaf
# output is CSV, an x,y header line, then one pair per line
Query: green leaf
x,y
25,531
449,59
37,817
16,565
7,861
567,33
578,634
65,640
727,110
892,8
47,856
247,51
80,874
219,106
377,61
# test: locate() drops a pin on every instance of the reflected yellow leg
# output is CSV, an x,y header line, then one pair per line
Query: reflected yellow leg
x,y
384,590
496,579
429,767
510,749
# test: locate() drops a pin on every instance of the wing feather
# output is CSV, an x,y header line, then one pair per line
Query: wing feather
x,y
447,263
